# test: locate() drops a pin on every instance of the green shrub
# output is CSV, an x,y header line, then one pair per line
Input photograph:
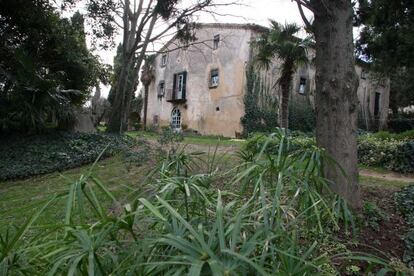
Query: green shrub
x,y
55,151
260,104
388,153
405,203
401,123
385,135
373,215
257,141
391,154
170,137
301,115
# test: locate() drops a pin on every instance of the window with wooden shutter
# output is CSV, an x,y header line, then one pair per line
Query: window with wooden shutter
x,y
179,88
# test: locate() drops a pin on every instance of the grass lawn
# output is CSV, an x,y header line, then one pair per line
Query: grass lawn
x,y
192,139
368,181
20,198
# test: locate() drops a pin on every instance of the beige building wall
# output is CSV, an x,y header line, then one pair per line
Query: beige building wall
x,y
215,111
371,90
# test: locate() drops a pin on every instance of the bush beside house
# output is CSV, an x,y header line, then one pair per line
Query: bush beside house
x,y
393,152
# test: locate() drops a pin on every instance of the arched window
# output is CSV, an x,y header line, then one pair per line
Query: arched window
x,y
176,119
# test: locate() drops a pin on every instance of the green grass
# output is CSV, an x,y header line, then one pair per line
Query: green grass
x,y
21,198
371,168
142,134
191,139
369,181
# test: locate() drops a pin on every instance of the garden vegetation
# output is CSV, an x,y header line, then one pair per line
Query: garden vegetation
x,y
24,156
270,215
393,152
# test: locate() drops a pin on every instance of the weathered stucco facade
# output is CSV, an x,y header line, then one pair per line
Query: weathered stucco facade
x,y
206,109
202,87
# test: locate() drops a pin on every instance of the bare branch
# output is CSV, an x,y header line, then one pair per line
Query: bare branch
x,y
302,14
306,4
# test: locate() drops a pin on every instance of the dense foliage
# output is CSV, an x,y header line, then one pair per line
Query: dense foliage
x,y
302,115
405,202
45,66
385,135
402,122
260,104
297,141
393,152
37,154
267,218
387,41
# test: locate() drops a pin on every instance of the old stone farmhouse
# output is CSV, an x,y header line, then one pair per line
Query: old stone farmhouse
x,y
201,87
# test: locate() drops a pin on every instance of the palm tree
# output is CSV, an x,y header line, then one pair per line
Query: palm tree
x,y
147,76
280,42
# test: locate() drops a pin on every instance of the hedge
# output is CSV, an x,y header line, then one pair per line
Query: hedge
x,y
44,153
391,154
297,140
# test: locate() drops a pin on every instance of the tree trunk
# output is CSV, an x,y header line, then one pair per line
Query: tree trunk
x,y
128,79
284,110
285,83
117,121
146,88
336,95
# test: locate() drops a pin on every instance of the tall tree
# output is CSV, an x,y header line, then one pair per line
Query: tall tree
x,y
336,92
147,76
45,66
386,41
280,41
117,65
138,21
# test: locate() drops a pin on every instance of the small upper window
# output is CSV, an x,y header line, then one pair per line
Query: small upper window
x,y
214,78
164,60
302,86
363,74
216,41
161,89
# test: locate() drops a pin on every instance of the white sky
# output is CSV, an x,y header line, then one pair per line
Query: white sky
x,y
250,11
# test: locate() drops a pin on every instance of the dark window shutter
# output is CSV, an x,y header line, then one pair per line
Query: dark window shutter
x,y
184,84
174,86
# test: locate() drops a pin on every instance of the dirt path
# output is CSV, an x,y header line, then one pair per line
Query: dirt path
x,y
390,176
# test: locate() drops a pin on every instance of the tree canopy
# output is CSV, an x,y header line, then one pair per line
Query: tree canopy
x,y
387,42
45,66
387,36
